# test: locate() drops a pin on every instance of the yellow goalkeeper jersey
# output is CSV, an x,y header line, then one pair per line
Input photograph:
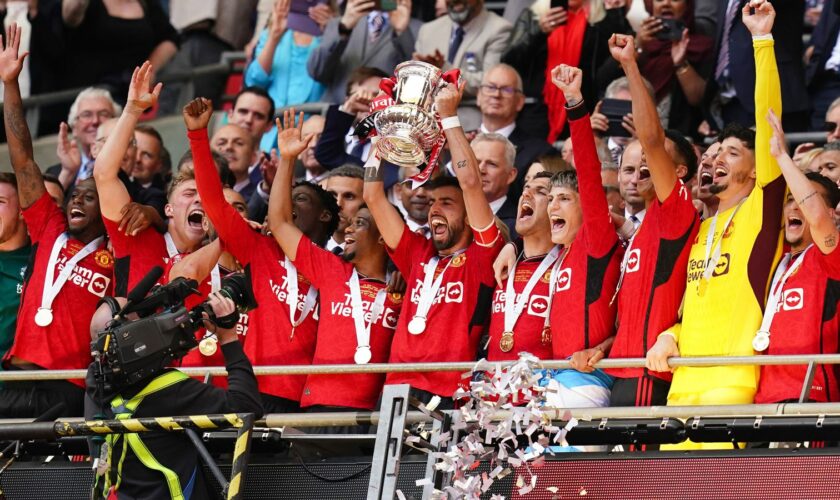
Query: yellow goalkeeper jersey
x,y
722,314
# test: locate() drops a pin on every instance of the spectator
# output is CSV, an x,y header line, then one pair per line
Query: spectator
x,y
253,110
147,171
822,59
832,121
15,251
91,107
413,203
338,146
827,163
678,70
617,89
470,37
105,41
730,91
362,37
551,162
237,145
805,161
345,184
495,155
609,181
282,51
207,29
500,100
312,170
546,37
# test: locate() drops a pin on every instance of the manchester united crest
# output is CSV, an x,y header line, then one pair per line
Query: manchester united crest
x,y
104,258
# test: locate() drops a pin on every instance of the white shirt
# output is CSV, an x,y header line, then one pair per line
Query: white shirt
x,y
495,205
833,62
640,216
332,244
350,142
505,131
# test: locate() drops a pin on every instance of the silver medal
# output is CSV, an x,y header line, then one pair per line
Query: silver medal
x,y
417,325
363,355
43,317
761,341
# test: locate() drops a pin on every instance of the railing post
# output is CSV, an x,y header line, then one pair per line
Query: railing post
x,y
806,385
241,451
389,439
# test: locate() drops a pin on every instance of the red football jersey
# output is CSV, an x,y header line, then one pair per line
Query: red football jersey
x,y
336,341
527,332
270,340
654,278
805,323
65,343
458,314
135,255
581,314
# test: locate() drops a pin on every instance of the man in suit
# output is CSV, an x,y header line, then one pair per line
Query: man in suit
x,y
822,73
733,83
91,107
362,37
495,155
500,100
240,149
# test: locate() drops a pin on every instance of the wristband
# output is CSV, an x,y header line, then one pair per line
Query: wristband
x,y
766,36
450,122
488,235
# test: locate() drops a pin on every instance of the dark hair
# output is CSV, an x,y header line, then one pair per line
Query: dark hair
x,y
685,153
47,178
349,170
328,202
259,91
566,178
740,132
225,173
150,130
832,192
362,73
10,178
545,174
442,181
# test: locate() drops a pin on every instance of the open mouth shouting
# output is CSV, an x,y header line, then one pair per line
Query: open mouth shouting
x,y
195,219
439,226
794,222
557,223
526,211
706,179
720,174
77,214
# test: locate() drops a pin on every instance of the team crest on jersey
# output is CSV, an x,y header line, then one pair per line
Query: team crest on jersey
x,y
396,298
729,230
458,260
104,258
634,258
546,277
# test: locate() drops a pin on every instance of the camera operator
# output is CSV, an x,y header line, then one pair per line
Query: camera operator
x,y
160,464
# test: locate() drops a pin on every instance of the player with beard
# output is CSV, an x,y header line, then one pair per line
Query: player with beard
x,y
730,263
281,330
519,316
71,268
138,253
450,277
652,280
358,315
801,312
705,178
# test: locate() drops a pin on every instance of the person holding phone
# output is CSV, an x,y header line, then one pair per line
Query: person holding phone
x,y
554,32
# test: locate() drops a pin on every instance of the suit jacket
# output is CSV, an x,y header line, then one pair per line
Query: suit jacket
x,y
528,149
333,61
787,33
823,39
485,38
507,214
330,150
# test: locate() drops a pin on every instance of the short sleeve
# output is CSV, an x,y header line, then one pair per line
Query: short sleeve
x,y
161,26
413,248
44,219
316,264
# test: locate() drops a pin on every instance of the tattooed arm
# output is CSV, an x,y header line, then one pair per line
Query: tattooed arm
x,y
29,179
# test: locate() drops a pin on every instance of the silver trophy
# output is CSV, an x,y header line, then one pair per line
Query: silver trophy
x,y
408,128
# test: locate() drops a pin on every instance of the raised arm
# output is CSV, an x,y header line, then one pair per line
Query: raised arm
x,y
388,220
648,128
107,167
768,90
463,159
276,28
29,179
819,215
290,144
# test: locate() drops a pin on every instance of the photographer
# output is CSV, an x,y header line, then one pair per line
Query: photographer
x,y
160,464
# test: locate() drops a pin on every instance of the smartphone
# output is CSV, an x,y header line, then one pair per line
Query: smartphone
x,y
672,29
560,3
385,5
615,110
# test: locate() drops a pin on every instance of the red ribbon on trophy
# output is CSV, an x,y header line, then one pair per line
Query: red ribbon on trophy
x,y
366,129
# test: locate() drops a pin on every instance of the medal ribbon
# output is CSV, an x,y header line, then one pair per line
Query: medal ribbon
x,y
783,272
430,288
514,308
362,328
308,301
711,263
552,283
53,285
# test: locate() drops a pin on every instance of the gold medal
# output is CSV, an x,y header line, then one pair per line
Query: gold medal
x,y
506,342
545,336
701,286
208,346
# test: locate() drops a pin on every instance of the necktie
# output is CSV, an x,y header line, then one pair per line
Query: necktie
x,y
636,221
455,43
723,57
376,24
358,150
337,251
85,171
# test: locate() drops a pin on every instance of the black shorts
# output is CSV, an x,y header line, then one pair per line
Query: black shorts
x,y
639,391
